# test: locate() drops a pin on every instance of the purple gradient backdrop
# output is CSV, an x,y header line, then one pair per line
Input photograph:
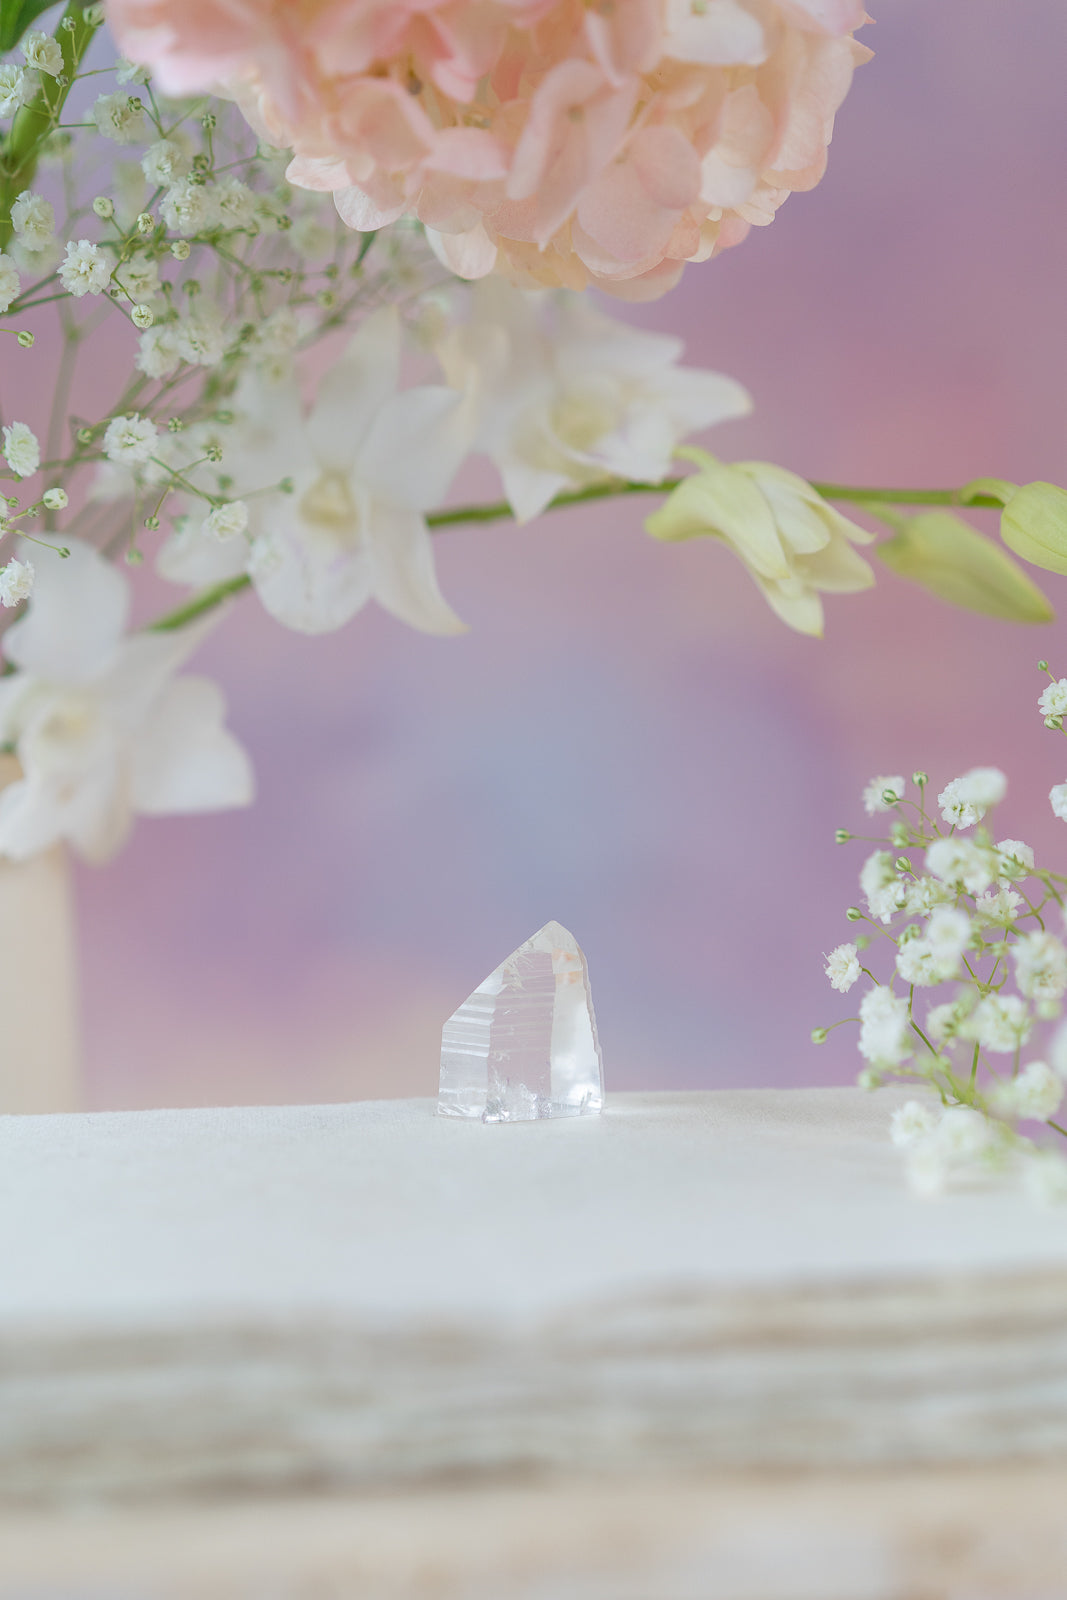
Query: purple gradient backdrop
x,y
627,740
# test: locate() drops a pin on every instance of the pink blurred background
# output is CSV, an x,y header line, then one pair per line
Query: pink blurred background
x,y
628,740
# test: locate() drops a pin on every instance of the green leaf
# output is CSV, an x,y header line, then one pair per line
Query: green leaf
x,y
16,16
957,563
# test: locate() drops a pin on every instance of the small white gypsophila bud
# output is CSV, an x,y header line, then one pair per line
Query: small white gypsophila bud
x,y
1000,1022
966,800
21,450
188,207
885,1037
957,861
16,88
1052,702
9,281
1040,965
139,278
86,269
119,116
55,499
312,240
280,332
1016,858
201,338
16,582
130,441
142,316
998,906
158,354
43,52
235,204
226,522
911,1122
181,249
145,222
949,932
104,207
962,1134
882,793
166,162
843,967
1035,1095
34,221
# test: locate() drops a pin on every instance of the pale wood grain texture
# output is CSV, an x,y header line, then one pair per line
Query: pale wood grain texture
x,y
875,1535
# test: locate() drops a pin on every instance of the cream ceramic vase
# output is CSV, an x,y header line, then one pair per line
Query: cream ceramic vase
x,y
39,1060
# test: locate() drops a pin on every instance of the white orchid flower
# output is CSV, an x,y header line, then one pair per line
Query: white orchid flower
x,y
366,463
101,728
793,542
568,397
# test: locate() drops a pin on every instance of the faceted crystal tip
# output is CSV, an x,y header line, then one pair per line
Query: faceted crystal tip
x,y
524,1044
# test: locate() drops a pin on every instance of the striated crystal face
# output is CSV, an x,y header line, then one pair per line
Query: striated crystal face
x,y
524,1045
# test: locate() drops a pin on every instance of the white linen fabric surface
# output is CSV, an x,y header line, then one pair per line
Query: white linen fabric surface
x,y
385,1210
368,1294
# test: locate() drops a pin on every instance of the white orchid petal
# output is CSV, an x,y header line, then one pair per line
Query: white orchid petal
x,y
270,413
838,569
405,579
89,808
800,608
529,489
566,395
309,579
354,390
415,446
76,619
192,557
30,820
144,667
697,399
13,690
184,760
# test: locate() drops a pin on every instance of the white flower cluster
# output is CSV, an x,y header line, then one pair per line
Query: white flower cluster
x,y
102,727
217,276
957,910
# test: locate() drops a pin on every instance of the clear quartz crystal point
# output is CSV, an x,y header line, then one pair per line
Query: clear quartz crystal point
x,y
524,1045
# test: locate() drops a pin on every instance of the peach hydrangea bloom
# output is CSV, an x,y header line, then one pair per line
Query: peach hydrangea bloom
x,y
561,142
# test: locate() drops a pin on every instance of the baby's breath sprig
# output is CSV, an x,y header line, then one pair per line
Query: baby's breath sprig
x,y
978,920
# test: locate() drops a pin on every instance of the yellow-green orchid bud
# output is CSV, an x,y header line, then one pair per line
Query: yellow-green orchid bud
x,y
793,542
1034,525
950,558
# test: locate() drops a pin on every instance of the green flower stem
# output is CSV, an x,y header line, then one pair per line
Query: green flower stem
x,y
500,511
905,497
35,121
852,494
200,605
